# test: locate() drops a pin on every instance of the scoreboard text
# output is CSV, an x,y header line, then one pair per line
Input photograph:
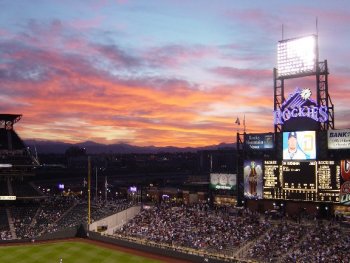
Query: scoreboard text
x,y
302,180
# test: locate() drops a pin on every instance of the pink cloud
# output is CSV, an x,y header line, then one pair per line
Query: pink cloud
x,y
177,55
249,75
84,24
66,88
256,19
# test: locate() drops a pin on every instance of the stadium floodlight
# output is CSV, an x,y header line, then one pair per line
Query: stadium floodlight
x,y
297,56
7,197
5,165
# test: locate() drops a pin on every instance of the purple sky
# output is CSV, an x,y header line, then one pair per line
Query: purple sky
x,y
158,72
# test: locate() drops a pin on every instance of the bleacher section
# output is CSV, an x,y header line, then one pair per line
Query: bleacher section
x,y
5,233
280,236
196,229
4,226
77,214
22,218
51,211
35,218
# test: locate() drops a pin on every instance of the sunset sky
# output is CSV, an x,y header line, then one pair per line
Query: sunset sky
x,y
159,72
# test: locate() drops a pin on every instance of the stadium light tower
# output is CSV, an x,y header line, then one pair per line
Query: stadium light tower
x,y
296,58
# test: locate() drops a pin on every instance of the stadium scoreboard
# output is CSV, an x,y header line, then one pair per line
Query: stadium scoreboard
x,y
301,180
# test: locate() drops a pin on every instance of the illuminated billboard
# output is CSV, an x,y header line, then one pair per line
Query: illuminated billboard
x,y
252,172
223,181
345,193
345,187
299,145
7,197
259,141
345,170
338,139
299,104
133,189
297,56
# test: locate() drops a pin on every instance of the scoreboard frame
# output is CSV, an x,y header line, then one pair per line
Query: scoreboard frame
x,y
316,181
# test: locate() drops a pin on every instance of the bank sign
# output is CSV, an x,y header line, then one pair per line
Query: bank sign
x,y
338,139
298,105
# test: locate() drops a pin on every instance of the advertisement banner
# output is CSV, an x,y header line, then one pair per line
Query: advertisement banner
x,y
253,179
7,197
338,139
345,187
259,141
223,181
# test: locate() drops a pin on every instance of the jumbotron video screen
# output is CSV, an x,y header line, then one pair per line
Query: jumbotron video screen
x,y
317,181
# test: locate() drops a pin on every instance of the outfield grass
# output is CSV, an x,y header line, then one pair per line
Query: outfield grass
x,y
69,252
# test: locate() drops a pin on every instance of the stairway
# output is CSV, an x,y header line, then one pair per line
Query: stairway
x,y
9,187
32,224
11,225
62,216
36,188
242,252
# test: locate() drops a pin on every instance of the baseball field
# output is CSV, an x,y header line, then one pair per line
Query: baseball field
x,y
68,252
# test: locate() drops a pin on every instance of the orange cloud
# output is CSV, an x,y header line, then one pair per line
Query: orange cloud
x,y
72,89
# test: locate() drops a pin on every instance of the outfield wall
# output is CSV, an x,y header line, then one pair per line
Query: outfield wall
x,y
116,221
69,232
174,252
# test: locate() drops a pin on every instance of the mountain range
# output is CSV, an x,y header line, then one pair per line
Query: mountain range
x,y
97,148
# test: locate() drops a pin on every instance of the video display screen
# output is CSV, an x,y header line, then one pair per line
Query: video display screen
x,y
299,145
253,179
302,180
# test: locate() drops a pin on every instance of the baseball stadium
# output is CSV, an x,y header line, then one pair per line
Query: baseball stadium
x,y
284,196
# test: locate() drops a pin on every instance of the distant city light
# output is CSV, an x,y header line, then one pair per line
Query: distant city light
x,y
133,189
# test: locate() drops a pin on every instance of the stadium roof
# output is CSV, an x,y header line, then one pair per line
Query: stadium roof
x,y
10,117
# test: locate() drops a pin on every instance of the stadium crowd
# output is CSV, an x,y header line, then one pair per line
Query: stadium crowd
x,y
240,232
5,233
322,243
195,226
33,219
247,235
276,242
22,219
51,211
